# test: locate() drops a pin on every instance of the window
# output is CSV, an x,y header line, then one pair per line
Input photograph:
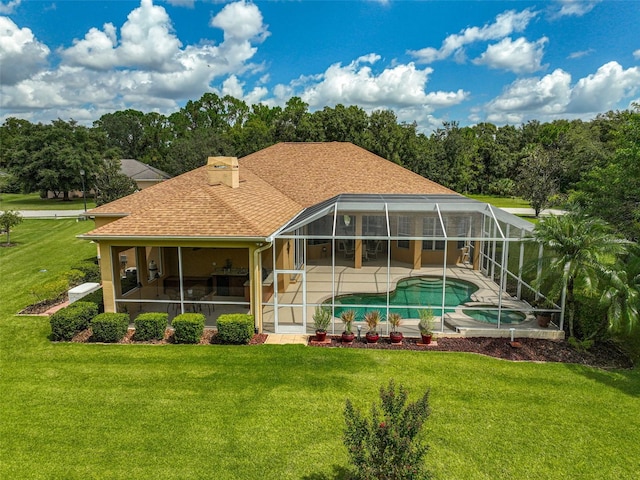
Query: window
x,y
404,230
432,228
374,226
462,230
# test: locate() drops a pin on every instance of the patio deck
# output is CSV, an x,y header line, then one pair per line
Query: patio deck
x,y
372,278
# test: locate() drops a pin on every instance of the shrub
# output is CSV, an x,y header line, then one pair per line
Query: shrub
x,y
110,327
97,298
505,187
151,325
235,328
388,446
90,270
590,319
68,321
74,278
50,291
188,327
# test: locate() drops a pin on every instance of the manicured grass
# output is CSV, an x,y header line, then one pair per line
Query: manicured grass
x,y
44,250
502,202
79,411
32,201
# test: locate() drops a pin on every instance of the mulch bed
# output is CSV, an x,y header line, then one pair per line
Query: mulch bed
x,y
41,308
605,355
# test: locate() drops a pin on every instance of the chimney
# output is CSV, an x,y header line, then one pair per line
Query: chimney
x,y
223,170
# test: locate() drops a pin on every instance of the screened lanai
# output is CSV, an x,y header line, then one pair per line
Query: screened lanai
x,y
470,263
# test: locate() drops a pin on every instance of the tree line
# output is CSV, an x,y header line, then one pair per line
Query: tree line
x,y
593,164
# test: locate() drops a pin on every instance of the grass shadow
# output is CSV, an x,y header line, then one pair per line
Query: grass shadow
x,y
338,472
625,381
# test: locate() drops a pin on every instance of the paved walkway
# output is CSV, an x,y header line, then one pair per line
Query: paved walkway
x,y
286,339
52,214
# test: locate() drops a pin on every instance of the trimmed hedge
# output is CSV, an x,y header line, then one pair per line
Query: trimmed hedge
x,y
110,327
68,321
188,327
90,270
97,298
235,328
151,325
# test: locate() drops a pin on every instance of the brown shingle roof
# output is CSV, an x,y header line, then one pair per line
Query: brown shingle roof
x,y
312,172
275,184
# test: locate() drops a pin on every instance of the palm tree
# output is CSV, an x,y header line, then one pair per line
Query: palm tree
x,y
579,253
622,295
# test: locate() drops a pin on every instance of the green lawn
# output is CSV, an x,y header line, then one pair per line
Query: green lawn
x,y
502,202
32,201
79,411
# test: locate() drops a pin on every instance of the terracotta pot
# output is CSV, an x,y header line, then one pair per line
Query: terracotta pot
x,y
372,337
347,337
396,337
426,339
543,319
321,335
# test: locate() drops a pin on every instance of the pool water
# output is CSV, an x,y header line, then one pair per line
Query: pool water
x,y
410,292
491,316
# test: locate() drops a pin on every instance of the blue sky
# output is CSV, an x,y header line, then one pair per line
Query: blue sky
x,y
505,62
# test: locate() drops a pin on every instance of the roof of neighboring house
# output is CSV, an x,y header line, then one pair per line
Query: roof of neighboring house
x,y
276,184
139,171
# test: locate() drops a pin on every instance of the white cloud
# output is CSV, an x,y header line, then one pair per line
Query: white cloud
x,y
147,42
21,55
505,24
580,54
241,21
401,88
552,96
146,69
602,90
575,8
636,54
235,88
7,8
519,56
548,95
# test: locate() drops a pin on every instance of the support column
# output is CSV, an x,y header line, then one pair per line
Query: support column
x,y
106,272
142,266
358,242
416,245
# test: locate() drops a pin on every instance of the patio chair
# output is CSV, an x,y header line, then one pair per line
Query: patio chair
x,y
374,248
349,251
208,298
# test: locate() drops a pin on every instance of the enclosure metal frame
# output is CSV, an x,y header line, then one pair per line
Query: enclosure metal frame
x,y
413,205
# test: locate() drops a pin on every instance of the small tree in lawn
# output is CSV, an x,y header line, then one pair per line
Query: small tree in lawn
x,y
387,445
8,220
111,184
538,178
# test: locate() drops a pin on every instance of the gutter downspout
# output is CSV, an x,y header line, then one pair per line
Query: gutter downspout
x,y
256,285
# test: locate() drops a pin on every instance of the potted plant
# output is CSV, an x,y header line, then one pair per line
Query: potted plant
x,y
543,315
322,320
426,325
347,317
395,319
372,318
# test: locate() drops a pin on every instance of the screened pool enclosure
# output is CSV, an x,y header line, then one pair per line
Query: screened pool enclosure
x,y
470,263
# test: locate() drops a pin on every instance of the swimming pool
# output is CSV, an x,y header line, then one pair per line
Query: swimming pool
x,y
414,292
491,316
